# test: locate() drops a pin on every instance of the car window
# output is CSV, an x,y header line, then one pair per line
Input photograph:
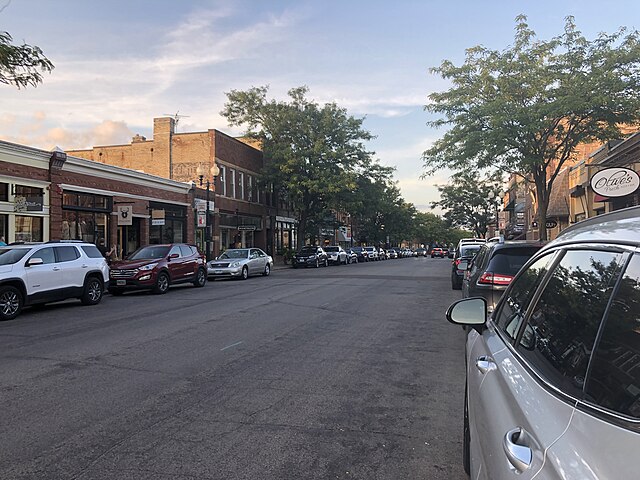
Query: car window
x,y
67,254
477,260
509,261
149,252
469,250
186,250
614,379
91,251
46,254
562,326
175,250
9,256
254,253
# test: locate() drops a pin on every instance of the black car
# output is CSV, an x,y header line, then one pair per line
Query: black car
x,y
461,259
363,255
493,268
310,256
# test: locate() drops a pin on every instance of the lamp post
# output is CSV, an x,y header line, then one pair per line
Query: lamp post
x,y
213,172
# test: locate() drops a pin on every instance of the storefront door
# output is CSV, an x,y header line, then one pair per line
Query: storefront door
x,y
128,238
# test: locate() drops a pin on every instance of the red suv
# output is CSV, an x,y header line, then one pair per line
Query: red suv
x,y
155,267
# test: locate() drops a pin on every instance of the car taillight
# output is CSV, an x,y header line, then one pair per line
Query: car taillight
x,y
489,278
457,262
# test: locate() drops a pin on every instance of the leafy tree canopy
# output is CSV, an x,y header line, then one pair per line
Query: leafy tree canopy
x,y
314,153
525,109
20,65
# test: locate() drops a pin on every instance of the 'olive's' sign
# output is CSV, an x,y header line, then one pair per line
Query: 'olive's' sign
x,y
615,182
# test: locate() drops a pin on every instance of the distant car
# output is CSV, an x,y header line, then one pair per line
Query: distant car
x,y
382,253
422,252
310,256
336,255
437,252
363,255
493,268
451,253
372,253
461,260
392,254
240,263
39,273
352,256
156,267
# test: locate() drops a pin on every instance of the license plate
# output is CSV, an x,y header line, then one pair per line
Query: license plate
x,y
217,271
121,282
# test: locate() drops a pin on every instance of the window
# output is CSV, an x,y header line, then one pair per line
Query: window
x,y
515,305
186,250
241,185
66,254
175,250
614,379
223,180
232,194
250,188
46,254
28,229
4,192
562,327
91,251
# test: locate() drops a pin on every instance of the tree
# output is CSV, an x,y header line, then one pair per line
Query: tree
x,y
313,154
467,203
20,65
525,109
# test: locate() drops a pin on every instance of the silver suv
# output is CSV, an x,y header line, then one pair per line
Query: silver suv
x,y
35,274
553,375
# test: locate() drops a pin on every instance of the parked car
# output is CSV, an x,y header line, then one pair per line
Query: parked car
x,y
392,254
372,254
40,273
421,252
437,252
494,267
157,267
352,256
382,254
240,263
451,252
363,255
552,376
461,260
310,256
336,255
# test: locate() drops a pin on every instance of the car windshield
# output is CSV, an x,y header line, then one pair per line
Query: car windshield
x,y
369,249
150,252
307,250
9,256
332,249
510,261
469,251
357,249
236,253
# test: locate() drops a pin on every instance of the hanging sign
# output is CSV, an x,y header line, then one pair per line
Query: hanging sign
x,y
125,215
157,217
202,219
615,182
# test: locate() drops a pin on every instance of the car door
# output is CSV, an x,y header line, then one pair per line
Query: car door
x,y
176,265
189,260
44,280
603,440
254,262
74,267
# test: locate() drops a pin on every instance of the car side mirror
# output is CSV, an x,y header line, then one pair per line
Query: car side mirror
x,y
35,261
173,255
468,311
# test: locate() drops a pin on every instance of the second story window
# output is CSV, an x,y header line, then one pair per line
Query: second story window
x,y
249,188
241,185
232,193
222,176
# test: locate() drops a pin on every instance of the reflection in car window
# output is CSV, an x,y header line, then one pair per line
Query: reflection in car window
x,y
186,250
614,379
175,250
564,323
515,305
150,252
67,254
46,254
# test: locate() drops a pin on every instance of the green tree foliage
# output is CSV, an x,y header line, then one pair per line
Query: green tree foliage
x,y
525,109
20,65
314,153
466,201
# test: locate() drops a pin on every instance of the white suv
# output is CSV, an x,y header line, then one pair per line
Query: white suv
x,y
35,274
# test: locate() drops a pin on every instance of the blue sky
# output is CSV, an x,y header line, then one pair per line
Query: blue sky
x,y
119,64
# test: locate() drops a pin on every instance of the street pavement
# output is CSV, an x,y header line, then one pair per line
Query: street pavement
x,y
345,372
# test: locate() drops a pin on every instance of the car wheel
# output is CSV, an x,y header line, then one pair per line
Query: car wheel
x,y
116,292
93,289
201,278
326,262
245,273
11,302
267,270
317,263
162,284
466,438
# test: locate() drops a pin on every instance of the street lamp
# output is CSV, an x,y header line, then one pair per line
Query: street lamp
x,y
213,171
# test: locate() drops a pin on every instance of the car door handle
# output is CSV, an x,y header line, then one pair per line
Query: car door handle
x,y
56,269
485,363
85,266
518,453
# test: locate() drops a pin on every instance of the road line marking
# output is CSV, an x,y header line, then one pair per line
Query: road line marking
x,y
232,345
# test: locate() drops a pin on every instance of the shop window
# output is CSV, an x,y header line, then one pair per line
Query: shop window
x,y
4,192
4,227
28,229
28,199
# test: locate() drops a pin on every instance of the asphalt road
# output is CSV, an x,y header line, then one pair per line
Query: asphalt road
x,y
346,372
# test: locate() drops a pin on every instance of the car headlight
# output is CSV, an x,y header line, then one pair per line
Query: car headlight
x,y
312,257
148,266
234,264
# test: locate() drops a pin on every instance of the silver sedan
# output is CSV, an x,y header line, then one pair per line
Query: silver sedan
x,y
240,263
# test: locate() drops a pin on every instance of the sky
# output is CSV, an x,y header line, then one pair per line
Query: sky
x,y
120,63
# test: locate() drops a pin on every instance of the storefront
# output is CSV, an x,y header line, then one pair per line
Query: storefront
x,y
169,223
285,234
85,216
24,210
239,231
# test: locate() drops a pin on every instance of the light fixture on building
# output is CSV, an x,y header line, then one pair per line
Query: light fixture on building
x,y
57,159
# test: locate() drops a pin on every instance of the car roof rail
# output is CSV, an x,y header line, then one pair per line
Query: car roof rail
x,y
66,241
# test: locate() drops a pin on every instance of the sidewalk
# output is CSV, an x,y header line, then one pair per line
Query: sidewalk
x,y
278,263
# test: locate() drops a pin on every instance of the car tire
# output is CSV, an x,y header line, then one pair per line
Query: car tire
x,y
92,293
162,284
317,263
466,438
245,273
11,302
201,278
326,262
267,270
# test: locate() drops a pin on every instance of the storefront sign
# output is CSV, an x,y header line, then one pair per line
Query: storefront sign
x,y
615,182
28,204
202,219
201,205
125,215
246,227
548,224
157,217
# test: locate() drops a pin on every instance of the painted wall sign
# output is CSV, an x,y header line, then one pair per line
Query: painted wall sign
x,y
615,182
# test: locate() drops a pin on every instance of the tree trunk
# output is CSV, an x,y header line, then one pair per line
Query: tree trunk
x,y
542,193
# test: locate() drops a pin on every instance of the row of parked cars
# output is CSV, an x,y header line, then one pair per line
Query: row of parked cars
x,y
553,366
316,256
39,273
